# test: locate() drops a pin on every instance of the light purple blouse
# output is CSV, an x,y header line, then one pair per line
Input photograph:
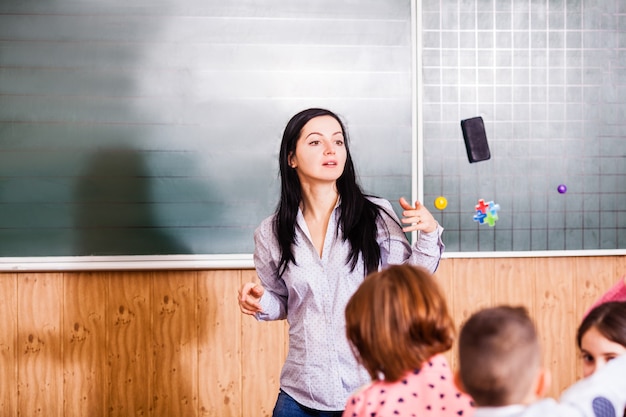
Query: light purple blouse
x,y
321,371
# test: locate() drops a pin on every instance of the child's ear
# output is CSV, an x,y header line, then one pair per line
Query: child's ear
x,y
542,383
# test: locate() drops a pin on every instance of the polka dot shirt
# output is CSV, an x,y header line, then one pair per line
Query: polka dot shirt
x,y
428,391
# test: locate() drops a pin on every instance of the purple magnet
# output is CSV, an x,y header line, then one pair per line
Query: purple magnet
x,y
562,189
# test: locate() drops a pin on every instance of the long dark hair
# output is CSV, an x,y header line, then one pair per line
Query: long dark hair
x,y
358,215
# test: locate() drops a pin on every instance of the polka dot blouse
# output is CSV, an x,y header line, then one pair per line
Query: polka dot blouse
x,y
428,391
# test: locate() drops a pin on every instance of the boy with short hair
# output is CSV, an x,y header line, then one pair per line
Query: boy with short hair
x,y
500,368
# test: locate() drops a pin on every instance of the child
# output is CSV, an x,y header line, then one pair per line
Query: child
x,y
601,336
500,367
398,325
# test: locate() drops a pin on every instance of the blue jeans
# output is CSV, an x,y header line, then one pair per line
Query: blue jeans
x,y
288,407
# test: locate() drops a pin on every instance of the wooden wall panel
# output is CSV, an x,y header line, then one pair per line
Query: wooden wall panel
x,y
514,283
468,287
595,276
264,349
129,344
220,367
473,287
445,278
175,341
620,264
40,370
8,344
84,345
555,298
168,343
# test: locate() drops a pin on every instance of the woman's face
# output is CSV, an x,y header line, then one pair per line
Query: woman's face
x,y
320,153
597,350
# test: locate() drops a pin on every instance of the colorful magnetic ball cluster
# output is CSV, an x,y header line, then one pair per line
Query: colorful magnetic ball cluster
x,y
486,212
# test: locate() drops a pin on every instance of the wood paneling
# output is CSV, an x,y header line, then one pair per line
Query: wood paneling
x,y
264,348
445,277
84,345
175,342
129,345
39,357
473,286
555,318
220,363
8,344
172,343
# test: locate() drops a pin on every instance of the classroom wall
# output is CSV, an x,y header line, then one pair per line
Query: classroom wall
x,y
173,343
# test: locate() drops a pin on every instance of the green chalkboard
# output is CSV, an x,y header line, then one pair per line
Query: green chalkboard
x,y
153,127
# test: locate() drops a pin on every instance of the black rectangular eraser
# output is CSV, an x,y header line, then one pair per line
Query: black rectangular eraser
x,y
475,139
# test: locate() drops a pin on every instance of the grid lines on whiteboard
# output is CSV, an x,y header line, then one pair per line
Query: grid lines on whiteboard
x,y
549,80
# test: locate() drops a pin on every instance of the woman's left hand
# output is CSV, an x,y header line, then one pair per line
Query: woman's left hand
x,y
417,218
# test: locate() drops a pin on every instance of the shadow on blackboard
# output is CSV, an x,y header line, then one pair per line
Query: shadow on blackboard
x,y
114,210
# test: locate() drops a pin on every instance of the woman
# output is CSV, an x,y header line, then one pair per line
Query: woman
x,y
314,252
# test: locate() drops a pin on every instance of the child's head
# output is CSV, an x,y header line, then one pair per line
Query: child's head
x,y
602,335
396,320
499,357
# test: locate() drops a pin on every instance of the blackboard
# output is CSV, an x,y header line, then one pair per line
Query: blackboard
x,y
549,81
153,127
